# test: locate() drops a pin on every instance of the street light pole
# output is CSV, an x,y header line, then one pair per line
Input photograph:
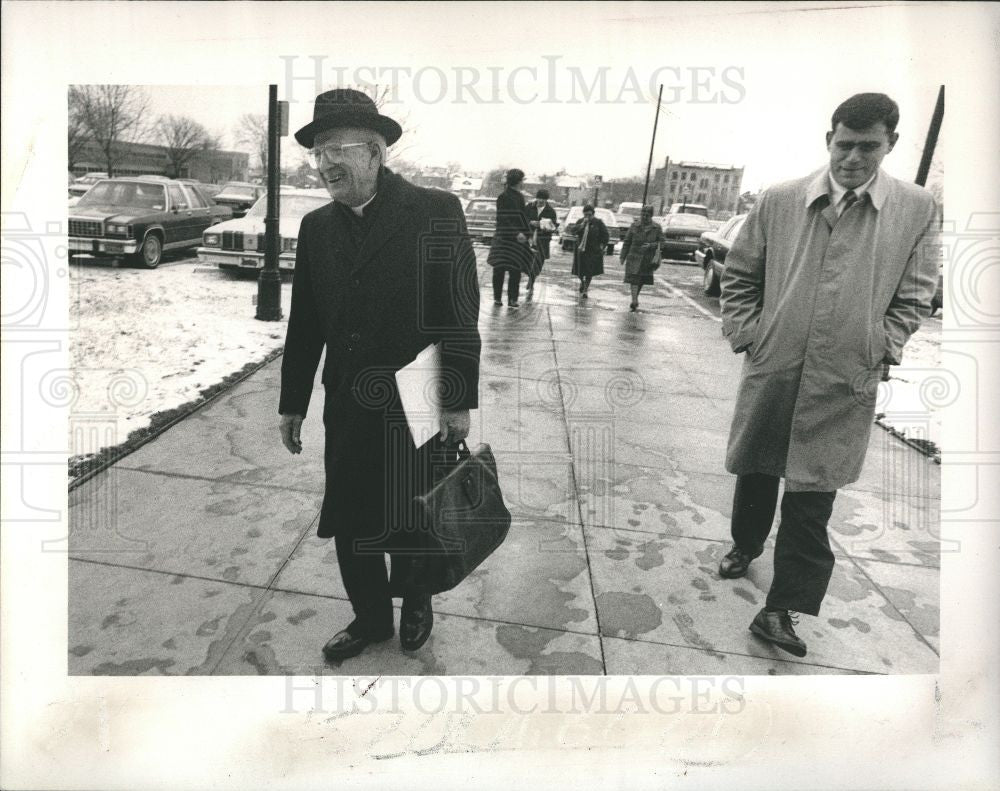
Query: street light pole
x,y
269,282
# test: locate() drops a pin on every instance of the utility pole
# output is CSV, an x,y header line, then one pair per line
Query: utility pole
x,y
649,163
269,282
932,137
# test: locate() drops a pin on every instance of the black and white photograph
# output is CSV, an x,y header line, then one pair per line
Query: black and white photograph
x,y
371,369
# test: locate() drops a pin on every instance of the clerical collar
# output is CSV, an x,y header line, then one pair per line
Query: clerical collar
x,y
360,210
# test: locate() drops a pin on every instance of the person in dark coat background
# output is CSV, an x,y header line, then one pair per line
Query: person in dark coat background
x,y
592,238
541,233
641,253
510,254
373,286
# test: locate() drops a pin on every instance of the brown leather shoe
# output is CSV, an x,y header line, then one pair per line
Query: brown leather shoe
x,y
345,644
776,627
735,563
415,621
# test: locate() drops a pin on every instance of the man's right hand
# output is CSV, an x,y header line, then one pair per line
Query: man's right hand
x,y
291,428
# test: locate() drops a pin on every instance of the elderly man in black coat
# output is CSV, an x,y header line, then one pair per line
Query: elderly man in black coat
x,y
382,272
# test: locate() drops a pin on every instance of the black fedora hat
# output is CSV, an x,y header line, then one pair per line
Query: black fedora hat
x,y
346,107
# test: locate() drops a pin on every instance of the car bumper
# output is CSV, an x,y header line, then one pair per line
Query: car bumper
x,y
102,246
674,248
226,259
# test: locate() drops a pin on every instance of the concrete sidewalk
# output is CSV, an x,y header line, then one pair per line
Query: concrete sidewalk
x,y
197,554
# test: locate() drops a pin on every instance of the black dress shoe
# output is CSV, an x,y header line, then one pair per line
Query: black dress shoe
x,y
345,644
735,563
775,626
415,621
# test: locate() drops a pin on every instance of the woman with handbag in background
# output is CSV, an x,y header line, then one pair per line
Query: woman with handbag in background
x,y
543,222
588,257
641,253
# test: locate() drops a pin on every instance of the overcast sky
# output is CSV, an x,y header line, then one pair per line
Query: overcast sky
x,y
571,86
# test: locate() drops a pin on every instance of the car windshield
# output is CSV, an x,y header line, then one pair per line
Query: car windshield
x,y
291,205
631,211
694,221
125,193
232,191
482,206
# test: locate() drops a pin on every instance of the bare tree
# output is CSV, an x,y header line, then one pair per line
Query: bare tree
x,y
183,138
76,129
251,131
111,115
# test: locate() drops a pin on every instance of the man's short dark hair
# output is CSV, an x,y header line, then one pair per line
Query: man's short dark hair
x,y
542,194
864,110
587,207
514,176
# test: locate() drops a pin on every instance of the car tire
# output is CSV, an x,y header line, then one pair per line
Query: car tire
x,y
710,280
150,251
935,305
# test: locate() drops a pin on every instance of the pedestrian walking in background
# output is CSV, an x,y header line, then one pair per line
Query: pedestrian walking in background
x,y
510,253
826,281
592,238
365,290
543,223
641,253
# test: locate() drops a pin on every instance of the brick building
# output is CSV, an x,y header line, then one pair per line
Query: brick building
x,y
138,159
714,186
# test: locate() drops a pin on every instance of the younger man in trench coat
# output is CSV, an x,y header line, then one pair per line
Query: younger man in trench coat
x,y
828,278
383,271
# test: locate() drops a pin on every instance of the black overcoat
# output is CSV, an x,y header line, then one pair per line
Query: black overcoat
x,y
512,219
590,262
375,301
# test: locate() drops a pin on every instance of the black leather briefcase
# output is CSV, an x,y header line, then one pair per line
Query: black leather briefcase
x,y
462,520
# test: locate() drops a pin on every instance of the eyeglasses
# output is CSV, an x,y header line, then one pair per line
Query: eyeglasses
x,y
331,152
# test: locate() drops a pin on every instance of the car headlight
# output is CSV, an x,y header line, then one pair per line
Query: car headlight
x,y
287,245
117,229
211,239
250,241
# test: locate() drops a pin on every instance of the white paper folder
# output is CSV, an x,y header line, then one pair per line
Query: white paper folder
x,y
418,392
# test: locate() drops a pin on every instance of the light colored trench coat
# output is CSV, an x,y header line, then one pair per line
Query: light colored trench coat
x,y
822,302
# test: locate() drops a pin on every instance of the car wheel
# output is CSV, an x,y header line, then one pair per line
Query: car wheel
x,y
710,281
935,305
151,252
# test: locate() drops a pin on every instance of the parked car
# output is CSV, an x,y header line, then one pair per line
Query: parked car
x,y
211,190
239,243
481,219
711,253
140,217
81,185
688,208
567,239
681,233
239,196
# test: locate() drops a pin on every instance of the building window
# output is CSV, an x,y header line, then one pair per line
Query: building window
x,y
701,197
673,175
717,176
725,179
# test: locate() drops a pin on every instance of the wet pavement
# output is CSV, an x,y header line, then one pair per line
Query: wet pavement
x,y
197,553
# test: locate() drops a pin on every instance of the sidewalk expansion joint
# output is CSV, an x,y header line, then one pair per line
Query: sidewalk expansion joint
x,y
740,653
191,477
439,611
576,492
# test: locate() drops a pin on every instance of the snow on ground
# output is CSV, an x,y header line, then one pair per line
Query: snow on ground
x,y
150,340
909,397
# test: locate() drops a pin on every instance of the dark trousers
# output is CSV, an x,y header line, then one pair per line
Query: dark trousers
x,y
803,560
366,581
513,284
